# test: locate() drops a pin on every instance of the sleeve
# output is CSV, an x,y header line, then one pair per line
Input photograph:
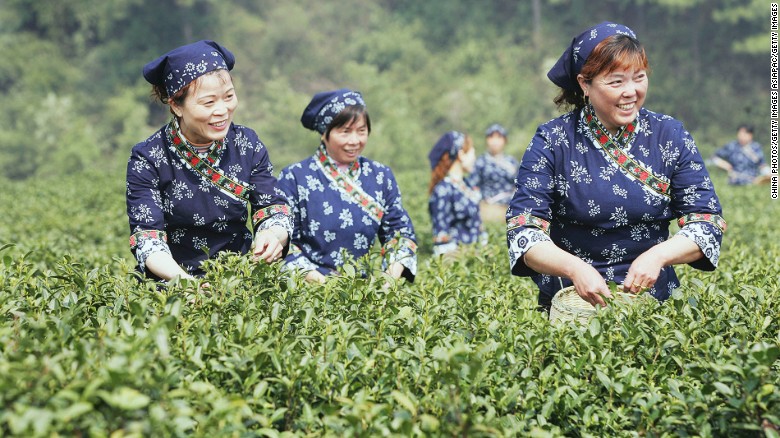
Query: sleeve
x,y
695,204
144,209
294,260
530,210
396,232
269,206
724,153
439,207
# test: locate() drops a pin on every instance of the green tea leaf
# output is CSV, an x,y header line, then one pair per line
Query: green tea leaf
x,y
125,398
405,401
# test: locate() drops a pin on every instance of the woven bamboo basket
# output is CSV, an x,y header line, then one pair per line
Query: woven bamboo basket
x,y
567,305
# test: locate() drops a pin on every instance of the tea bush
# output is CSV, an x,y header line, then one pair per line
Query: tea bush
x,y
88,349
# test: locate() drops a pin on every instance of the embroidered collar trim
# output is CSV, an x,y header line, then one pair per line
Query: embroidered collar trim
x,y
346,183
322,156
614,147
204,166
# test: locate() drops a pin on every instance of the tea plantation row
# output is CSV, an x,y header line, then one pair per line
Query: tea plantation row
x,y
87,350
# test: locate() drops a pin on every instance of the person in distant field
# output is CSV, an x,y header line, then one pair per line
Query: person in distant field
x,y
598,186
341,201
193,184
494,175
453,203
743,159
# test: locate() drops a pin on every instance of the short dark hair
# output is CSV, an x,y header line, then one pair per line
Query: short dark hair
x,y
746,127
161,94
616,51
347,116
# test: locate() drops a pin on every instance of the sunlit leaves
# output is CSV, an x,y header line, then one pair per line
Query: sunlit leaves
x,y
86,348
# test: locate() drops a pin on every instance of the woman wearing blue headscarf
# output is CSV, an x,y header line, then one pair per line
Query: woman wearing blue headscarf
x,y
598,186
494,175
341,201
192,185
453,203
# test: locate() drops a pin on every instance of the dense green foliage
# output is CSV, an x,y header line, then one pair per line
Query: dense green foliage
x,y
73,93
86,349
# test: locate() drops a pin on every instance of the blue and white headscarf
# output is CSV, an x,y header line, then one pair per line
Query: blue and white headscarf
x,y
450,143
184,64
495,127
564,72
325,106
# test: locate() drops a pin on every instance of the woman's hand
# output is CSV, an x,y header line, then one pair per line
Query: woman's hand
x,y
163,265
315,277
269,244
643,272
395,270
546,258
202,289
589,284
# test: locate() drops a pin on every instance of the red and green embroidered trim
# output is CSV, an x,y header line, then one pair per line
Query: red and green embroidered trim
x,y
140,236
703,217
526,220
361,198
265,213
398,243
624,137
204,165
438,240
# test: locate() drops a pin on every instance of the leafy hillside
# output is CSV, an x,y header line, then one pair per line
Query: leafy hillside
x,y
72,87
86,349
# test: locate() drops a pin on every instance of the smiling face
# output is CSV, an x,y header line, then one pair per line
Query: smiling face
x,y
616,96
207,111
345,143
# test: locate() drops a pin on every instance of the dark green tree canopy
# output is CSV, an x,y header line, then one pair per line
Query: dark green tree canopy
x,y
71,81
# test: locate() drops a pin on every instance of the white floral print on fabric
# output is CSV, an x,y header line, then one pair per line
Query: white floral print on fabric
x,y
454,210
164,194
494,177
327,219
746,161
611,217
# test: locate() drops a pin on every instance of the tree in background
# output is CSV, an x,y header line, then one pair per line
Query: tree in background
x,y
73,92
